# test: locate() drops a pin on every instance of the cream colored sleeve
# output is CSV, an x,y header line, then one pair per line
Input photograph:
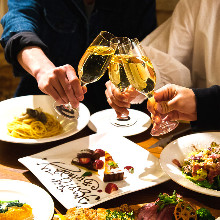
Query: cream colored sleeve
x,y
170,47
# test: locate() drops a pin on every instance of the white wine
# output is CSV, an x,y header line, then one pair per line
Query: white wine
x,y
94,63
140,73
117,73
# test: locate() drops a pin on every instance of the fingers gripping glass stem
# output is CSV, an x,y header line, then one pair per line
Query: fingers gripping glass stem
x,y
91,68
160,125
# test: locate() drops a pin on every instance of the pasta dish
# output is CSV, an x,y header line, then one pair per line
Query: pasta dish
x,y
34,124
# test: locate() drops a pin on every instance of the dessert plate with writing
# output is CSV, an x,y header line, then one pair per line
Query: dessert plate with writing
x,y
71,188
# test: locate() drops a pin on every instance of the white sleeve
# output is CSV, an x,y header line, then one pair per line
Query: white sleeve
x,y
168,69
170,46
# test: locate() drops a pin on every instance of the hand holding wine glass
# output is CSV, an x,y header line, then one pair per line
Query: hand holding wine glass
x,y
142,76
91,68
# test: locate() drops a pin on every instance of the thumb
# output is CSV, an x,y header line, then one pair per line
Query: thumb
x,y
165,93
165,107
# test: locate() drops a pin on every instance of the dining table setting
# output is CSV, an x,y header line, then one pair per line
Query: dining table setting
x,y
40,170
56,159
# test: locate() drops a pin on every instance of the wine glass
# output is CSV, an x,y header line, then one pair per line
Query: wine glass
x,y
91,68
118,76
141,75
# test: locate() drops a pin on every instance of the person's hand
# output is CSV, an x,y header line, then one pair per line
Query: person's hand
x,y
179,103
118,100
62,84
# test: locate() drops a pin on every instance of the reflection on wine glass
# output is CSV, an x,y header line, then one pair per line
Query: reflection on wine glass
x,y
141,75
92,67
118,76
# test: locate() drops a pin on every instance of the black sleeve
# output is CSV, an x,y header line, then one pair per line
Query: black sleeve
x,y
208,109
16,43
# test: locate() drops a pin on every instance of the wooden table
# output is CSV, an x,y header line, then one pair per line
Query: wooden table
x,y
10,168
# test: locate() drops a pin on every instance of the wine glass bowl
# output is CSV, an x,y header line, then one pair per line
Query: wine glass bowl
x,y
142,77
96,58
119,78
91,68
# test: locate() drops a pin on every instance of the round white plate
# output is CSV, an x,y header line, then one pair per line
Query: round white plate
x,y
101,122
40,201
15,106
179,149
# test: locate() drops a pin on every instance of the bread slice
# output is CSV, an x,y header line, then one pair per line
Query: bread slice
x,y
111,170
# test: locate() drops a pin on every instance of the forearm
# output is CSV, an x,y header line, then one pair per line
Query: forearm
x,y
34,60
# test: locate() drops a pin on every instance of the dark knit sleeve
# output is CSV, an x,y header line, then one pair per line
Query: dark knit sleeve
x,y
208,109
16,43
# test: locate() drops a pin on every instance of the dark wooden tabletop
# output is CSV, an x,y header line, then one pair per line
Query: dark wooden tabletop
x,y
10,168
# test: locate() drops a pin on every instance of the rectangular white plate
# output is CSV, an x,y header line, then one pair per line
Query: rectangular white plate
x,y
65,182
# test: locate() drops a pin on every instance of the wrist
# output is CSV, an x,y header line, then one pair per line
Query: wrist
x,y
34,61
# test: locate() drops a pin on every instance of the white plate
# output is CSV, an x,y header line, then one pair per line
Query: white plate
x,y
54,169
40,201
100,122
15,106
179,149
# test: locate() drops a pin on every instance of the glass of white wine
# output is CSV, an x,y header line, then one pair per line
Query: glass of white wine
x,y
118,76
142,77
91,68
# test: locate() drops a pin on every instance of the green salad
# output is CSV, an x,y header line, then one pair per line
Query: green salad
x,y
203,167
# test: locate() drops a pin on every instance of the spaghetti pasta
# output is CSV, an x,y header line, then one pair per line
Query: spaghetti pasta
x,y
28,127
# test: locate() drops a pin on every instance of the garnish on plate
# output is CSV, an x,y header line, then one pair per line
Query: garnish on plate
x,y
87,174
185,210
130,169
89,159
170,208
110,187
164,200
112,215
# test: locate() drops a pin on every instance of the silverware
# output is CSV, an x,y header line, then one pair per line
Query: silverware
x,y
164,141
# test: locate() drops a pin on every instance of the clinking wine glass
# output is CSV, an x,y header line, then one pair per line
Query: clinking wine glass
x,y
91,68
142,77
118,76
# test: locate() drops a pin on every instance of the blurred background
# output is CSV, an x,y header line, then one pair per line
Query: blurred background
x,y
8,83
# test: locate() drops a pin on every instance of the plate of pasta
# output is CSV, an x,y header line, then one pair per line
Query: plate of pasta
x,y
32,120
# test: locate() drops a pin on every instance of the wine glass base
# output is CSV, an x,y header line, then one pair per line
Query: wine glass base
x,y
66,111
100,123
163,128
123,122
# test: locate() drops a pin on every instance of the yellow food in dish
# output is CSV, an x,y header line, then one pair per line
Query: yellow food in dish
x,y
18,213
34,126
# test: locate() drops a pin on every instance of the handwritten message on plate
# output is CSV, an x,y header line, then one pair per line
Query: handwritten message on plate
x,y
67,182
